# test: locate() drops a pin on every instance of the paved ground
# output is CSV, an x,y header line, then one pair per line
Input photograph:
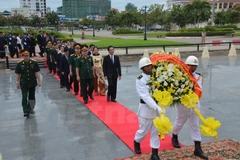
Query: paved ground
x,y
63,129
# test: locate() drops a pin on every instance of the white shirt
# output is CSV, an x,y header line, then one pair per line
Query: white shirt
x,y
112,57
147,110
19,41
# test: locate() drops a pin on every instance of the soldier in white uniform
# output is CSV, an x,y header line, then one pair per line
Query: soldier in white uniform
x,y
183,113
148,110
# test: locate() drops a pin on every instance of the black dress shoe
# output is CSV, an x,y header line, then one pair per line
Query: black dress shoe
x,y
91,97
26,115
68,90
85,101
108,98
113,100
175,142
76,93
137,148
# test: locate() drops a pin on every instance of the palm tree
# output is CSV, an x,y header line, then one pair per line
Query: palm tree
x,y
198,11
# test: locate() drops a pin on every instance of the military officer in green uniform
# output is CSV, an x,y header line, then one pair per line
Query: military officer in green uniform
x,y
27,78
48,50
72,66
84,72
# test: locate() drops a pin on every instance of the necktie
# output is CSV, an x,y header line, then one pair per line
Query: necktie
x,y
112,59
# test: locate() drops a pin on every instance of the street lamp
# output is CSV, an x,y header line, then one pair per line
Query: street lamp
x,y
94,25
144,8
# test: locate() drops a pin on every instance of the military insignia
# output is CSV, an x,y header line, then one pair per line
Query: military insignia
x,y
195,61
198,73
23,66
139,77
20,61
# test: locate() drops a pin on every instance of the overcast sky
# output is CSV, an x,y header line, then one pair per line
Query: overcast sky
x,y
53,4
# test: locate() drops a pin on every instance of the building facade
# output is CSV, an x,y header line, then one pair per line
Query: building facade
x,y
21,11
83,8
224,5
171,3
37,7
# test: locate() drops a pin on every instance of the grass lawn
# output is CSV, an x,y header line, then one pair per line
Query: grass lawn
x,y
119,42
237,33
149,34
132,42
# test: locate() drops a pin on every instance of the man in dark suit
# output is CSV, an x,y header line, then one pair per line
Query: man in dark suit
x,y
112,72
3,45
64,67
41,43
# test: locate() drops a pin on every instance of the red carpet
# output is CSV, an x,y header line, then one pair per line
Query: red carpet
x,y
121,121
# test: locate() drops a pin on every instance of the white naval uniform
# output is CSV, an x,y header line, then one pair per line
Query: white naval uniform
x,y
146,113
183,113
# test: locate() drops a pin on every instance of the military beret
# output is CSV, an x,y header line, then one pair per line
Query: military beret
x,y
77,45
24,52
84,47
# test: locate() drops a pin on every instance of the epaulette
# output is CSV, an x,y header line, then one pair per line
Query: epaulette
x,y
20,61
199,73
139,77
33,60
72,55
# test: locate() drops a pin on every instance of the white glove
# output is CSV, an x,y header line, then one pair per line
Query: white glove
x,y
159,110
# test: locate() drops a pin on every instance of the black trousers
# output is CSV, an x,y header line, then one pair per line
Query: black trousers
x,y
66,80
112,87
62,81
32,50
54,67
2,54
42,50
75,83
87,86
28,98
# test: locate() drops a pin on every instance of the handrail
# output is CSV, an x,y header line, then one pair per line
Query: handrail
x,y
172,45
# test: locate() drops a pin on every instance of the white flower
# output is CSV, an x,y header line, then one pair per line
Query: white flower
x,y
191,85
186,83
175,98
182,86
165,83
178,90
170,74
176,83
181,90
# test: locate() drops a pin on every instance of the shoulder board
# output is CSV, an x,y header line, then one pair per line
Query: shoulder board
x,y
199,73
139,77
33,60
72,55
20,61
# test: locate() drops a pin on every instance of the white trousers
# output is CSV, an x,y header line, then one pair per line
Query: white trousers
x,y
183,113
146,125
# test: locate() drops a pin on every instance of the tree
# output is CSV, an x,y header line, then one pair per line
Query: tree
x,y
3,20
52,18
112,17
18,20
156,15
200,11
86,22
221,18
35,21
177,15
130,6
233,16
129,18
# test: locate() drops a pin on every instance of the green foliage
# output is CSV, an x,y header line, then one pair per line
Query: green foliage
x,y
3,20
198,11
178,16
208,29
125,31
52,18
86,22
198,34
67,39
130,6
18,20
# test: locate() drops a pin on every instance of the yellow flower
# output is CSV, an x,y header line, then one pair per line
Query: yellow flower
x,y
164,98
190,100
210,127
186,89
163,124
171,90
